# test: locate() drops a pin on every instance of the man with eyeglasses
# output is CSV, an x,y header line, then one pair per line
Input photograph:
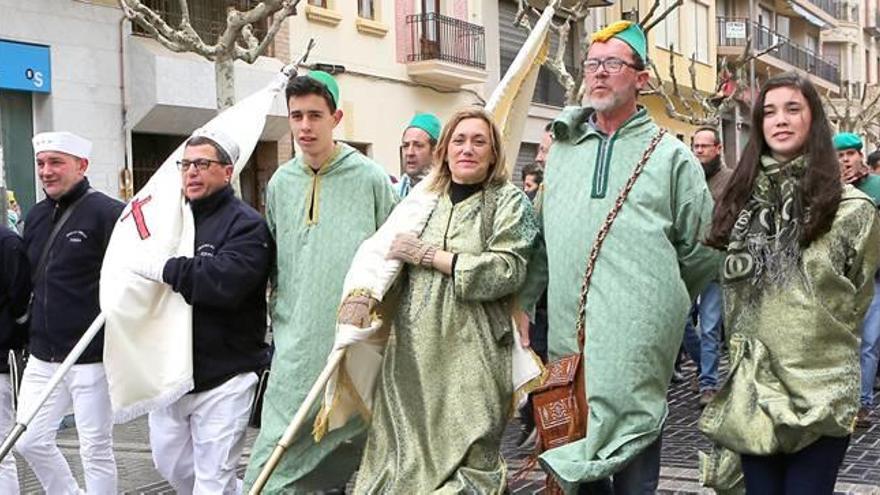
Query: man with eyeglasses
x,y
65,269
650,268
197,441
417,151
704,347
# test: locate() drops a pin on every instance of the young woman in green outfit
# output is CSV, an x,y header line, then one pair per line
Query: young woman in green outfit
x,y
801,251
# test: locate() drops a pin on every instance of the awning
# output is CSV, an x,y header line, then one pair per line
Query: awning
x,y
809,16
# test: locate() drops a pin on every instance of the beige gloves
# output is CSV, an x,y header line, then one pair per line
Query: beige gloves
x,y
357,310
410,249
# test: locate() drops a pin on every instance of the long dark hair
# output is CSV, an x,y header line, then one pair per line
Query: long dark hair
x,y
820,187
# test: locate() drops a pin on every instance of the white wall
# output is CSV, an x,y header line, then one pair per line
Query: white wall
x,y
86,97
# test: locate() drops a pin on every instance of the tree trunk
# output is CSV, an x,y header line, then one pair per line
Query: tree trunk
x,y
224,69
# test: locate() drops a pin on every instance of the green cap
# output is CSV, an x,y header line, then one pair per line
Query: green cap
x,y
847,141
328,82
427,122
628,32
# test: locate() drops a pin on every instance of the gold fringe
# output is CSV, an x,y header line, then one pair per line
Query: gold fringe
x,y
529,386
322,421
608,32
312,201
314,195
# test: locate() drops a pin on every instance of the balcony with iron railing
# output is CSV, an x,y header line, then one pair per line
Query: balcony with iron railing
x,y
783,48
438,37
445,51
834,8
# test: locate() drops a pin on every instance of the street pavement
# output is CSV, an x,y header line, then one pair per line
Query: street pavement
x,y
681,443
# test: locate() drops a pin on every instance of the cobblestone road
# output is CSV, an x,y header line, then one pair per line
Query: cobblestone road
x,y
681,442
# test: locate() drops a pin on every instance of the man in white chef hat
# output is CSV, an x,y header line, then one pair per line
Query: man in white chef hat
x,y
65,237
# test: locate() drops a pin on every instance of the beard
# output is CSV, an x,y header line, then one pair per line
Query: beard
x,y
606,103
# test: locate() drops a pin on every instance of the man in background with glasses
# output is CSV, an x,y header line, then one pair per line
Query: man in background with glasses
x,y
651,266
704,347
197,441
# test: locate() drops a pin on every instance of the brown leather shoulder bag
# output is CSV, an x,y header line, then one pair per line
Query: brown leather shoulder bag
x,y
560,403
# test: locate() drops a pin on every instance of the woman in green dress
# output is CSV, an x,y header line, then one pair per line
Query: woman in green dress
x,y
801,251
445,392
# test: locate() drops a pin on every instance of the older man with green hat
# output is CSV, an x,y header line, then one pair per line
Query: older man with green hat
x,y
650,268
320,206
417,150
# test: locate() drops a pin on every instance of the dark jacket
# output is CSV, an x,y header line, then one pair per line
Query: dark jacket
x,y
717,177
15,292
66,288
225,282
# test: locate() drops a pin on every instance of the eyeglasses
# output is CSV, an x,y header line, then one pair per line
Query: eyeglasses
x,y
201,164
612,65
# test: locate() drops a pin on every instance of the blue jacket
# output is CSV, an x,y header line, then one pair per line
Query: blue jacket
x,y
66,288
225,282
15,293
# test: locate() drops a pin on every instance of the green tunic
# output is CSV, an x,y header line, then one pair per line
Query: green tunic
x,y
794,350
444,394
650,268
318,221
870,185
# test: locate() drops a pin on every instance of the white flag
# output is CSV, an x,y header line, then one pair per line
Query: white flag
x,y
148,334
350,388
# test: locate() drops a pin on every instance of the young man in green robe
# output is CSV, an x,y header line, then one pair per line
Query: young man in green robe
x,y
651,266
320,206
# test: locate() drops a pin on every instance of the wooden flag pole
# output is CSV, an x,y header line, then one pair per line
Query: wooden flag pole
x,y
298,420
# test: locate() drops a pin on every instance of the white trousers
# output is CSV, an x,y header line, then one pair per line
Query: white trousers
x,y
8,472
197,441
85,386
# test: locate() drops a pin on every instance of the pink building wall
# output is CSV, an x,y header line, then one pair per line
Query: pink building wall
x,y
404,8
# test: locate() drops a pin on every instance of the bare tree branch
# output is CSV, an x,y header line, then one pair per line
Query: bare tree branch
x,y
651,11
648,26
155,26
184,11
239,26
236,42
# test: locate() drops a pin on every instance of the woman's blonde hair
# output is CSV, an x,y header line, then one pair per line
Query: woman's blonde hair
x,y
497,173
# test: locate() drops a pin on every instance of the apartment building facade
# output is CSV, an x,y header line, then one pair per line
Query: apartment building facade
x,y
788,36
396,58
135,100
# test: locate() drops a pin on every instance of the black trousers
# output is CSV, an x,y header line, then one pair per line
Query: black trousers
x,y
812,470
538,338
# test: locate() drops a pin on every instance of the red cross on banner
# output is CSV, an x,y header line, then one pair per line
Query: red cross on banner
x,y
137,213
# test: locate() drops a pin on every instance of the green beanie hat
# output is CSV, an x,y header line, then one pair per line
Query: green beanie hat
x,y
427,122
847,141
328,82
628,32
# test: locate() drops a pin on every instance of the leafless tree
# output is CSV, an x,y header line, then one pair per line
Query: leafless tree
x,y
571,14
702,108
236,42
856,110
